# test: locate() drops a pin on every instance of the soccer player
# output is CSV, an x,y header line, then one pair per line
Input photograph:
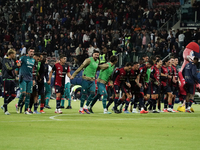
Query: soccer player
x,y
140,95
8,74
61,69
34,94
66,94
26,78
120,80
155,83
165,87
111,94
147,82
145,58
174,62
135,85
104,75
190,76
47,86
88,80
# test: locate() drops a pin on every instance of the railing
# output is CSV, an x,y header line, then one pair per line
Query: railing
x,y
170,22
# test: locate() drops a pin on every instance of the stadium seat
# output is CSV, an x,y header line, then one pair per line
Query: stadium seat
x,y
74,81
72,71
79,80
80,74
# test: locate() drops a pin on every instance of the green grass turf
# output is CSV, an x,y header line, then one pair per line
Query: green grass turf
x,y
73,131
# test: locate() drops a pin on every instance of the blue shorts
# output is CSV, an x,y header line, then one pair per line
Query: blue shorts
x,y
122,88
135,89
88,86
166,89
154,89
59,89
26,86
174,90
190,88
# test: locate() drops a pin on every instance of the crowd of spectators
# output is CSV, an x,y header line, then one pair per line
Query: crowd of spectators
x,y
77,27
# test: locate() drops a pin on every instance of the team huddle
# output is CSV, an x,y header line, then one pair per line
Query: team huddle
x,y
136,86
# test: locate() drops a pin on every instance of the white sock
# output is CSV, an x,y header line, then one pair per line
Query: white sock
x,y
85,107
134,109
142,108
105,110
81,108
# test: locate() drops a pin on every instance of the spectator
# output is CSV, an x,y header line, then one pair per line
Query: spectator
x,y
23,50
156,50
78,50
86,39
56,51
149,50
181,39
90,50
49,49
52,27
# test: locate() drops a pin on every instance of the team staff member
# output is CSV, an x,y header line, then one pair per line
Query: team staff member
x,y
88,80
8,74
26,78
155,83
104,75
61,69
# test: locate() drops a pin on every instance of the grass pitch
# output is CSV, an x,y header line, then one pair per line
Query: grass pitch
x,y
73,131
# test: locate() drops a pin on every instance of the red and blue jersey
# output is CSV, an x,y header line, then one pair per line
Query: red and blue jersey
x,y
170,72
164,80
143,71
133,76
155,74
120,76
60,73
175,74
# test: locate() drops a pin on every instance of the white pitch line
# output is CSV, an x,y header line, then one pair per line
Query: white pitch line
x,y
53,118
101,119
27,121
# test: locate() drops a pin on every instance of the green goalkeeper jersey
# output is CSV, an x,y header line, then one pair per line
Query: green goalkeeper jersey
x,y
147,77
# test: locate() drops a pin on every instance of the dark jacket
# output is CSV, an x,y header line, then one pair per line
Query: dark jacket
x,y
190,73
8,68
